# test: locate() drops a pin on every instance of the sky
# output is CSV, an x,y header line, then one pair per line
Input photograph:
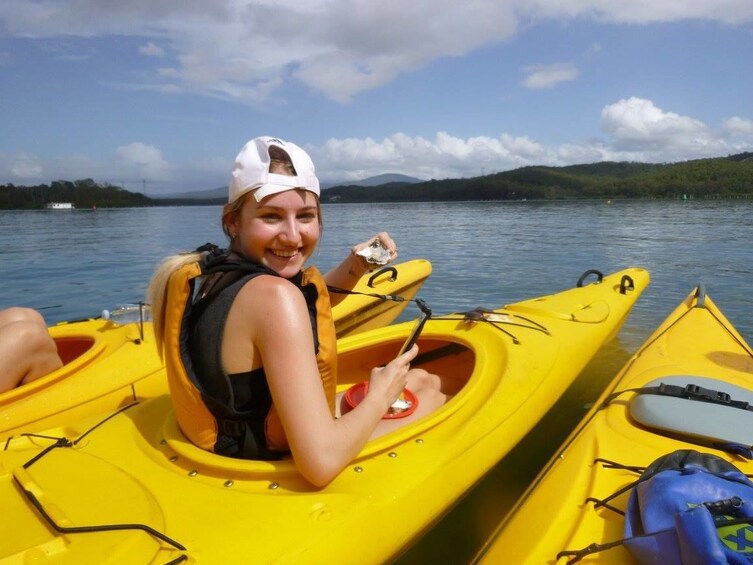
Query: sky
x,y
159,97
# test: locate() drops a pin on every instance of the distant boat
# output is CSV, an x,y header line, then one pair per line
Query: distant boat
x,y
60,206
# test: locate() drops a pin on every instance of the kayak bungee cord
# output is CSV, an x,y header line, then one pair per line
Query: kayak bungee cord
x,y
578,554
65,442
496,319
480,314
103,528
370,284
392,297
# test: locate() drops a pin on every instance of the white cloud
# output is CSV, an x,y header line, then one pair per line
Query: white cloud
x,y
738,126
146,161
131,166
25,169
641,131
444,156
594,49
547,76
22,167
639,119
151,50
642,11
241,50
634,129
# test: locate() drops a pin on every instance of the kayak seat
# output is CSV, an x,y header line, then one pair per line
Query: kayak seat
x,y
723,426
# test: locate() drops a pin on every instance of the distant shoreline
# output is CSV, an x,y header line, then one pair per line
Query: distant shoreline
x,y
728,177
164,203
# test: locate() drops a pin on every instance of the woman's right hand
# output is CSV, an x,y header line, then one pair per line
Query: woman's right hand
x,y
388,382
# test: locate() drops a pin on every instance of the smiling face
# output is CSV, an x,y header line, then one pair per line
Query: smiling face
x,y
281,232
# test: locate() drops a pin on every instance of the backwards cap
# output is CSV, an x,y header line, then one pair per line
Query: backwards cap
x,y
251,170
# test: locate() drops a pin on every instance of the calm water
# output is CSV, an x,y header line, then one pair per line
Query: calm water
x,y
72,264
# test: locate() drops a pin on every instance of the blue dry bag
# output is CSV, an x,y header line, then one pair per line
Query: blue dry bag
x,y
691,508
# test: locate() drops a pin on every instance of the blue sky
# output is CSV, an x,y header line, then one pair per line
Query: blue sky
x,y
163,95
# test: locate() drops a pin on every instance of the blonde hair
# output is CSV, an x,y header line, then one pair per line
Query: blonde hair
x,y
232,209
157,291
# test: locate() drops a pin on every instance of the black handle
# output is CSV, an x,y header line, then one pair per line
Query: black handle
x,y
626,284
588,273
393,276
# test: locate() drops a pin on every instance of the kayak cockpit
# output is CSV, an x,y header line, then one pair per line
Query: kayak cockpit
x,y
71,348
438,355
76,351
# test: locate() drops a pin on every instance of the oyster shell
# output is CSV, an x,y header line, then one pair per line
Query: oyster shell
x,y
375,254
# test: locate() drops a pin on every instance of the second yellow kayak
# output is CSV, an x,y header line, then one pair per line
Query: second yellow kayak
x,y
569,514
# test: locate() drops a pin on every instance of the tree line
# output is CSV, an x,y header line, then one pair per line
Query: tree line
x,y
722,177
81,193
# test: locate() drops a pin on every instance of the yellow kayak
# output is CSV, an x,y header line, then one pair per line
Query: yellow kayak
x,y
560,514
129,488
107,366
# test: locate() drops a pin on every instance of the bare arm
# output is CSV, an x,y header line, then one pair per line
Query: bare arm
x,y
353,267
321,445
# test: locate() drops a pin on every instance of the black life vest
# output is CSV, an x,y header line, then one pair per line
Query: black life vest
x,y
204,401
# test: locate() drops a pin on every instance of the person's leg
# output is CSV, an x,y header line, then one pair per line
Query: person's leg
x,y
27,351
429,390
448,385
21,314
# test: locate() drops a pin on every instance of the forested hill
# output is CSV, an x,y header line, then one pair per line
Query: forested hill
x,y
81,193
730,176
722,177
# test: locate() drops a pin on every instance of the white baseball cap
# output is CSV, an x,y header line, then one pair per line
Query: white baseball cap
x,y
251,170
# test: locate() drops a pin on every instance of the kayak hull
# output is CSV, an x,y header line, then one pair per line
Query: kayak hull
x,y
512,367
553,515
107,366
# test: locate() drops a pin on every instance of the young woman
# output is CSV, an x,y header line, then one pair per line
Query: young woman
x,y
257,331
26,348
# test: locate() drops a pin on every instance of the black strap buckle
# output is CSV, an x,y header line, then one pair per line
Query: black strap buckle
x,y
707,394
233,428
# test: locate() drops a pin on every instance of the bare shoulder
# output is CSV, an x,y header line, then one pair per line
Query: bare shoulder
x,y
269,295
272,312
